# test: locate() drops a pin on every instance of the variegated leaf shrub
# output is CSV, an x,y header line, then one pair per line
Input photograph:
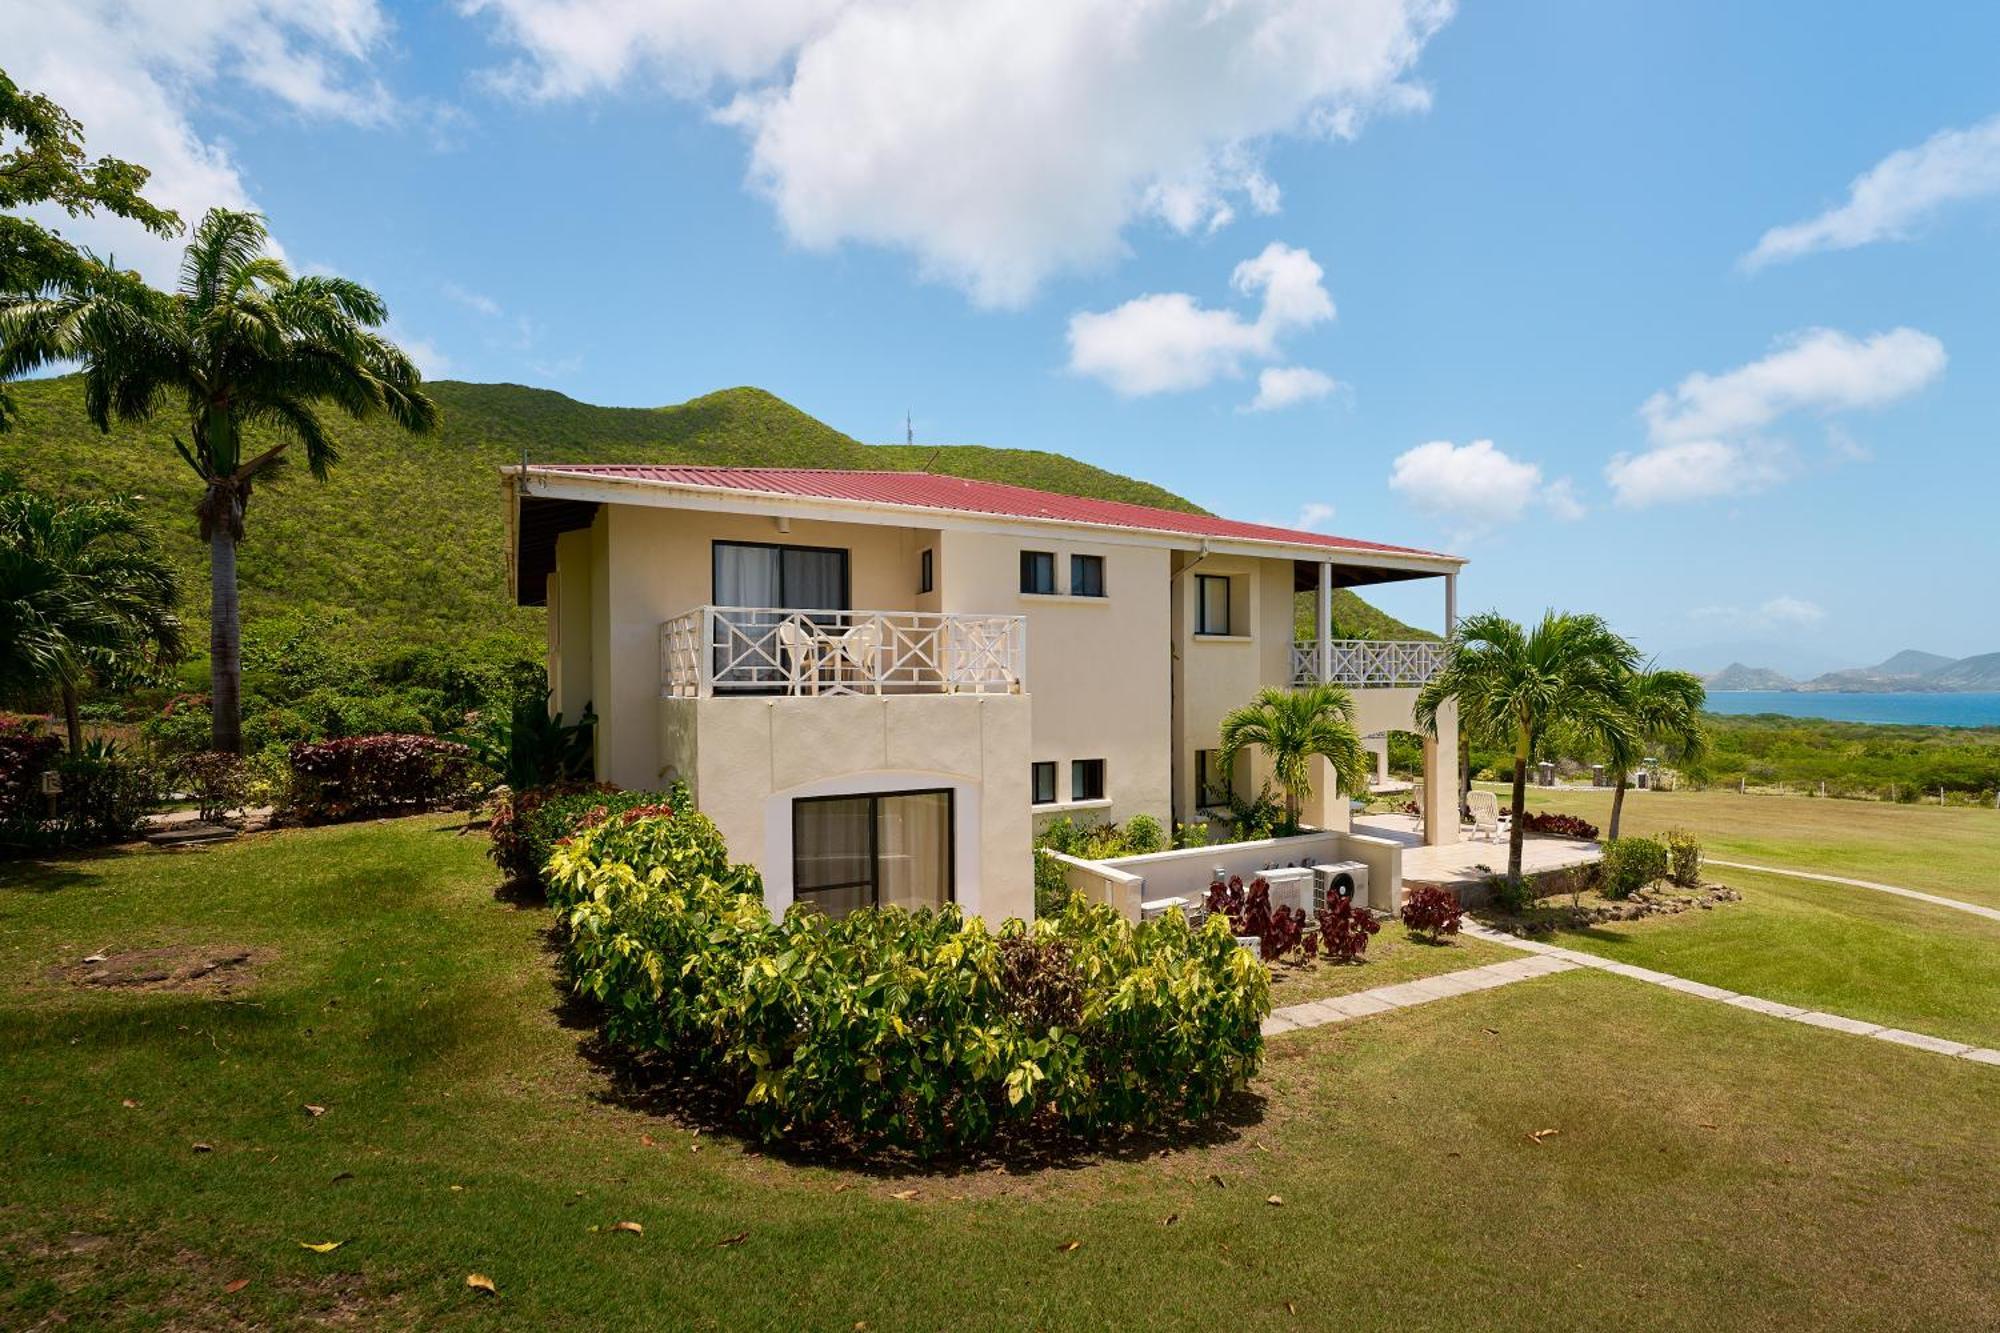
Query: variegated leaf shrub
x,y
922,1031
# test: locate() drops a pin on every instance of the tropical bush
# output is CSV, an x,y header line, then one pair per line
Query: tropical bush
x,y
1343,931
528,747
215,779
526,825
1630,864
1683,858
1140,835
370,775
1431,912
25,754
1555,824
921,1031
106,791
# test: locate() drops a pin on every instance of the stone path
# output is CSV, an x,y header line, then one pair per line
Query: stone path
x,y
1547,959
1993,913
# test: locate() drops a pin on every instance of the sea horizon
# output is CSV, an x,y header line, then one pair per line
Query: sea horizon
x,y
1971,708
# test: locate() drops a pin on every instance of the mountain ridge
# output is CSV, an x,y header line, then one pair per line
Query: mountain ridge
x,y
1911,671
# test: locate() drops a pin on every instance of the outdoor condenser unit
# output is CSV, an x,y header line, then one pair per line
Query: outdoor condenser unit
x,y
1340,879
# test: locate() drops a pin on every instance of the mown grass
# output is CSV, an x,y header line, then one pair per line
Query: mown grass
x,y
1711,1168
1393,957
1953,851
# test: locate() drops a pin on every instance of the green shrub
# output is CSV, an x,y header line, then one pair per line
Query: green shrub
x,y
922,1031
1683,858
1630,864
1052,891
527,825
1143,835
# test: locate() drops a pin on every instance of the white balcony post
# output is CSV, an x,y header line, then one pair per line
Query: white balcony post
x,y
1450,605
1324,627
706,660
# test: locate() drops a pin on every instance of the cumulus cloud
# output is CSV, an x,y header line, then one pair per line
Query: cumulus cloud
x,y
1896,195
131,71
1168,341
1478,486
1287,386
1707,433
1312,514
1087,116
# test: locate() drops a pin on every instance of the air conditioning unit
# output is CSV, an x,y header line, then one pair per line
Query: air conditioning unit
x,y
1340,879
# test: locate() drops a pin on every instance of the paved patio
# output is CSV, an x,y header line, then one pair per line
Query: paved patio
x,y
1470,859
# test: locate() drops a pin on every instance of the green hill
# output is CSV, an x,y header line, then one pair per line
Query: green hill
x,y
407,534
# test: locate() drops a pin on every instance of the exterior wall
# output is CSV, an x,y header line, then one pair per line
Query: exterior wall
x,y
1097,669
749,758
570,627
1126,882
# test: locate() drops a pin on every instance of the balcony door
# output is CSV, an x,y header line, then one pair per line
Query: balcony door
x,y
885,849
756,585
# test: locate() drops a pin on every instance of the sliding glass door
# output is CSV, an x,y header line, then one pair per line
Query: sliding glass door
x,y
758,584
884,849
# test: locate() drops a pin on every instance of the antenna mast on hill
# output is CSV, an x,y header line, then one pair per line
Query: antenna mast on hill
x,y
910,438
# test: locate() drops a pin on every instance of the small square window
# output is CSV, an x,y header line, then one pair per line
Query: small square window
x,y
926,570
1086,780
1038,572
1212,604
1086,576
1211,784
1043,782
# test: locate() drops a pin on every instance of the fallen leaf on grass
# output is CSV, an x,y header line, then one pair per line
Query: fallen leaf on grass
x,y
632,1227
315,1111
95,958
1170,1219
1704,1124
1290,1308
321,1246
736,1239
1276,1201
843,1187
1538,1135
1067,1246
481,1282
129,1104
647,1140
903,1194
231,1288
859,1325
340,1176
458,1189
1220,1183
203,1147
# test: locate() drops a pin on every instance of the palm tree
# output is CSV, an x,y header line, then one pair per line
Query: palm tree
x,y
1656,707
240,343
1520,683
1292,726
83,593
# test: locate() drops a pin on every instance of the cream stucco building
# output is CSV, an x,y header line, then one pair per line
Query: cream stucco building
x,y
878,682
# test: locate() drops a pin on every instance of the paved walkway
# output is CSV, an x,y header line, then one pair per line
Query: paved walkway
x,y
1993,913
1547,959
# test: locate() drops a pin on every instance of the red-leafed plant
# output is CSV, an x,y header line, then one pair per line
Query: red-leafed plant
x,y
1558,825
365,775
1432,913
1344,930
24,754
1279,932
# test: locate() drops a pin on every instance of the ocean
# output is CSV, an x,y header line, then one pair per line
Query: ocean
x,y
1980,709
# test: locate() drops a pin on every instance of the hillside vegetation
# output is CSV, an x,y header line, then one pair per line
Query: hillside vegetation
x,y
408,533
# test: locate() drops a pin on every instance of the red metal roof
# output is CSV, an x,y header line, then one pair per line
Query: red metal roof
x,y
928,490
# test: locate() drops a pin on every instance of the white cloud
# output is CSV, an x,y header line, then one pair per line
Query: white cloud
x,y
1781,612
477,302
1706,433
431,359
131,71
1312,514
1167,341
997,141
1792,611
1478,486
1286,386
1891,198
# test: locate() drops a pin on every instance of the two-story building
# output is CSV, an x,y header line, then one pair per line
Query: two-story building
x,y
877,682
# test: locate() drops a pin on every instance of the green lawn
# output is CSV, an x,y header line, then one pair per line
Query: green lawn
x,y
1712,1168
1393,957
1953,851
1824,946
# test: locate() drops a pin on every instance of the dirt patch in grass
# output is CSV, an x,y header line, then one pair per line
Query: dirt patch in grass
x,y
217,968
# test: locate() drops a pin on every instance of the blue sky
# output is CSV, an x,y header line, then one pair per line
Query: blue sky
x,y
1716,283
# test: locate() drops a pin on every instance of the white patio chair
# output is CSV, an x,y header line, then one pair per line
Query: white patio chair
x,y
858,648
801,649
1485,807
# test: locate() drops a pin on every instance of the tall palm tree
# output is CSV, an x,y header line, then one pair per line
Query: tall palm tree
x,y
1292,726
239,344
1518,683
1658,708
83,593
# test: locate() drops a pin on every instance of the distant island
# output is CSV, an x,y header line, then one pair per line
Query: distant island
x,y
1908,672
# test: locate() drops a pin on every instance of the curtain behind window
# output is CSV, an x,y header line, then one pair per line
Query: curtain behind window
x,y
914,842
831,863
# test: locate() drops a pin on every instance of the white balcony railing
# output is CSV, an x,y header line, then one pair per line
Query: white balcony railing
x,y
1370,663
761,650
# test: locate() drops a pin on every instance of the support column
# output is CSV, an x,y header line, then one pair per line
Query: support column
x,y
1329,806
1323,638
1440,779
1450,605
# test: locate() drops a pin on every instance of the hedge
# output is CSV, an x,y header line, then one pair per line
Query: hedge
x,y
921,1031
527,825
365,775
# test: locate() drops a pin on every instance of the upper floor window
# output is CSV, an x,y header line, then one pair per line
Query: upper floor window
x,y
1086,779
1038,572
1042,782
1211,604
927,570
1086,576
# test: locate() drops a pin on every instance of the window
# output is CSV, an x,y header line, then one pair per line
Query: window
x,y
791,578
1211,783
1086,779
1086,576
1042,782
1038,572
886,849
926,571
1212,604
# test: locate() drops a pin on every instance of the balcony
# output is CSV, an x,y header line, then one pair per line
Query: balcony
x,y
724,650
1370,663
